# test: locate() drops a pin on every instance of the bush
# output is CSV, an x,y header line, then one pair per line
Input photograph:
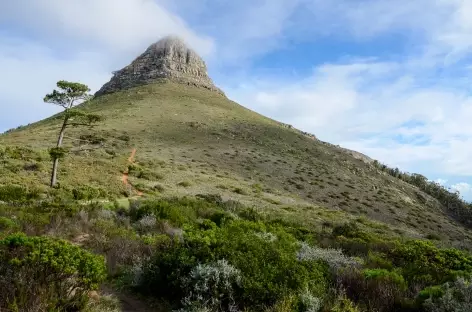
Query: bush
x,y
40,273
269,268
33,167
455,297
343,304
10,193
88,192
308,302
386,289
333,257
240,191
211,286
7,224
425,264
377,289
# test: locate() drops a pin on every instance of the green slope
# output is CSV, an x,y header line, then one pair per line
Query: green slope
x,y
192,141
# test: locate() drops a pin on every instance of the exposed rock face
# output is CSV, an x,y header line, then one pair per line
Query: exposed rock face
x,y
168,58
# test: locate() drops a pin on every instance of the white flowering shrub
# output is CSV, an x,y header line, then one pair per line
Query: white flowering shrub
x,y
266,236
105,214
334,257
146,223
210,287
456,297
309,302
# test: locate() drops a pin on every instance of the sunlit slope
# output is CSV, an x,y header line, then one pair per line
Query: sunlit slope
x,y
190,140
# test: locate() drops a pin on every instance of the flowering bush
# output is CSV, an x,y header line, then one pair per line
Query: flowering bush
x,y
211,286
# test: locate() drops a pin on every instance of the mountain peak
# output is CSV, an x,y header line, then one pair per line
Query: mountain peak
x,y
169,58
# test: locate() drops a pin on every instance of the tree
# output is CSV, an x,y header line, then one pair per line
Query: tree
x,y
68,97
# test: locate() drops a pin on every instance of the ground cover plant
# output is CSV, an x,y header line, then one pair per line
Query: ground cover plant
x,y
205,253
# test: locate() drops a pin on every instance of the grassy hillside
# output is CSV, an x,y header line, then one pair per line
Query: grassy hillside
x,y
226,194
192,141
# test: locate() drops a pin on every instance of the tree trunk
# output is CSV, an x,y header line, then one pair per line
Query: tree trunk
x,y
55,162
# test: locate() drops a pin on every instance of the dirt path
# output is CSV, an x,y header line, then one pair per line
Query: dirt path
x,y
124,177
128,302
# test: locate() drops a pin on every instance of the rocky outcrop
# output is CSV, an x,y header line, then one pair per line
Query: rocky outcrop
x,y
170,59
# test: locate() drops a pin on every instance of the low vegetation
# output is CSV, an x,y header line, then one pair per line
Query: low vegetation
x,y
207,254
237,213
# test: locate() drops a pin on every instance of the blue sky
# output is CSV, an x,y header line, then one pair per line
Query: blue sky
x,y
391,79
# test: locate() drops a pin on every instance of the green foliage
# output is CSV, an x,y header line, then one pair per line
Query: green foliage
x,y
88,192
13,193
378,260
69,93
456,296
343,304
349,230
424,263
7,224
46,274
176,211
385,277
57,152
79,117
19,153
143,173
33,166
269,268
431,292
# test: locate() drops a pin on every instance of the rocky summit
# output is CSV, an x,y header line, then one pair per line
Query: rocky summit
x,y
168,59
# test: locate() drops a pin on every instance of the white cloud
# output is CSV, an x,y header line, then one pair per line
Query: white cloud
x,y
399,111
463,188
122,25
77,40
378,109
33,71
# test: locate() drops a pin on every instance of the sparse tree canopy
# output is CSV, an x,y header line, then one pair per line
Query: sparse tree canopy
x,y
70,95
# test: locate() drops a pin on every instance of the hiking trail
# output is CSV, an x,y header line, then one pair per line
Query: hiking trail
x,y
125,175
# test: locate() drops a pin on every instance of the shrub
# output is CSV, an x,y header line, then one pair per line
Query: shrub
x,y
377,260
349,230
269,268
425,264
433,236
13,193
177,212
308,302
39,273
377,289
184,184
333,257
146,223
143,173
211,286
158,188
456,296
386,289
33,167
87,192
240,191
7,224
343,304
251,214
